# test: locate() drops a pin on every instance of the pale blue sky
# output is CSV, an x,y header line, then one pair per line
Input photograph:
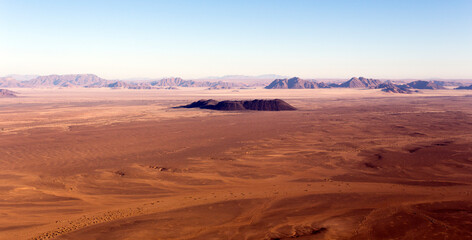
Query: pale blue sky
x,y
192,39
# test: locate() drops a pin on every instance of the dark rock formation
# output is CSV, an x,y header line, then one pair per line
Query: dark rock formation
x,y
361,82
202,104
7,93
255,105
267,105
229,106
295,83
425,85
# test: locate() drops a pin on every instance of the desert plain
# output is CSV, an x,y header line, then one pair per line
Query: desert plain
x,y
124,164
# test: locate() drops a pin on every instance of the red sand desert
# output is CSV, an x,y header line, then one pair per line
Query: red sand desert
x,y
125,164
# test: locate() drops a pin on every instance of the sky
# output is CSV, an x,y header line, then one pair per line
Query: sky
x,y
195,39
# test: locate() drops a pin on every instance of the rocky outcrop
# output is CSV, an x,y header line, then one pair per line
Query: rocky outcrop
x,y
295,83
201,104
425,85
396,89
4,93
361,82
390,87
255,105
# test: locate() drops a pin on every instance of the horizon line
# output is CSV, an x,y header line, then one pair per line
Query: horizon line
x,y
230,76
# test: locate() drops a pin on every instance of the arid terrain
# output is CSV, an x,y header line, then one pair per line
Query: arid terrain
x,y
124,164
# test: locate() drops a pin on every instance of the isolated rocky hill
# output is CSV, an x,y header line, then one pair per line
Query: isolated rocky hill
x,y
425,85
390,87
295,83
7,93
360,82
255,105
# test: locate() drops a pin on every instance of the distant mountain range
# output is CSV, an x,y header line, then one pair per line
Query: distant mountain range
x,y
72,80
297,83
357,82
93,81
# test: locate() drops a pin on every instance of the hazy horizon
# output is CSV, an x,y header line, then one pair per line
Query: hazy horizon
x,y
192,40
26,77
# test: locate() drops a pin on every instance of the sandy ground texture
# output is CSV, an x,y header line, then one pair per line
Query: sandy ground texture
x,y
123,164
